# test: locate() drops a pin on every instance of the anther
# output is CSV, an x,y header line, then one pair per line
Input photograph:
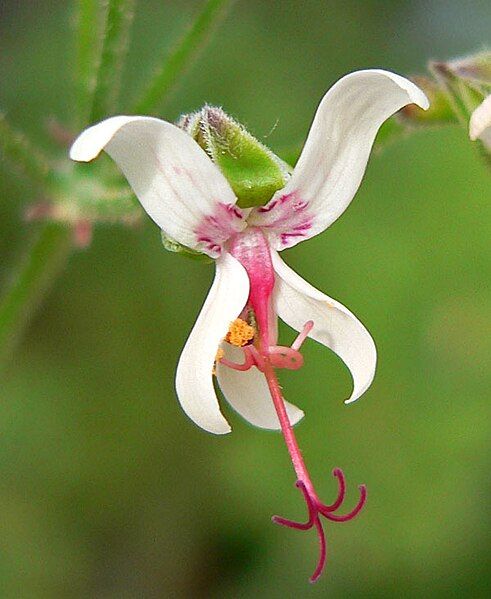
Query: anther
x,y
307,327
240,333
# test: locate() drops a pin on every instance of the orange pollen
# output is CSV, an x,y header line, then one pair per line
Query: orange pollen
x,y
239,333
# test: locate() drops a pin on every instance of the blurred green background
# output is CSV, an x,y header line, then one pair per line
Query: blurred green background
x,y
106,488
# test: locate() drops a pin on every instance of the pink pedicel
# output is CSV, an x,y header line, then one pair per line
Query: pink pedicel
x,y
251,249
216,228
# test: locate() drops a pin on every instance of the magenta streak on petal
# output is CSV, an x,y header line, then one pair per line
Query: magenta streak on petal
x,y
288,216
268,208
214,229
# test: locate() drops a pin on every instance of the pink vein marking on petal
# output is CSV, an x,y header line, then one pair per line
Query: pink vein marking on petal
x,y
214,229
268,208
288,215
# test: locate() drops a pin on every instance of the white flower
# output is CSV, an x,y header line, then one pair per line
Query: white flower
x,y
480,123
190,199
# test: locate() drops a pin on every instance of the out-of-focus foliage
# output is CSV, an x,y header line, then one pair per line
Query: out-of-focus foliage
x,y
106,489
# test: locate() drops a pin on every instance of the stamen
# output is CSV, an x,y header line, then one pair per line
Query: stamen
x,y
240,333
285,357
249,360
307,327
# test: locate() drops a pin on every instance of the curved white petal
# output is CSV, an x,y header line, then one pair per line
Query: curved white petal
x,y
247,392
194,378
333,160
480,123
174,179
296,302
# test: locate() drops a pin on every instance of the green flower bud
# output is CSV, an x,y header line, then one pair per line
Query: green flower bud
x,y
253,171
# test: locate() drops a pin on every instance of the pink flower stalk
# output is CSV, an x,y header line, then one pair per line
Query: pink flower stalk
x,y
235,335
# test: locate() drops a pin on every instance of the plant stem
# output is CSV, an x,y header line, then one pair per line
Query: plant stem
x,y
119,16
31,280
87,40
182,56
22,154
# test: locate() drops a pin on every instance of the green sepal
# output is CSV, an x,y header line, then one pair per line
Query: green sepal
x,y
177,248
475,68
465,86
254,172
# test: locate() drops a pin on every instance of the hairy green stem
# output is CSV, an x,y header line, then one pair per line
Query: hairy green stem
x,y
182,56
30,281
88,44
19,151
119,16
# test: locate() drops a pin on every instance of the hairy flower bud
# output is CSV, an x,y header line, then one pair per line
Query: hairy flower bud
x,y
253,171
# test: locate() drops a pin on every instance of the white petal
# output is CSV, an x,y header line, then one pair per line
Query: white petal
x,y
247,392
334,325
194,380
174,179
335,155
480,123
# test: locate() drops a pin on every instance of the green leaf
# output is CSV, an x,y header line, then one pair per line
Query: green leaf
x,y
182,56
119,16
